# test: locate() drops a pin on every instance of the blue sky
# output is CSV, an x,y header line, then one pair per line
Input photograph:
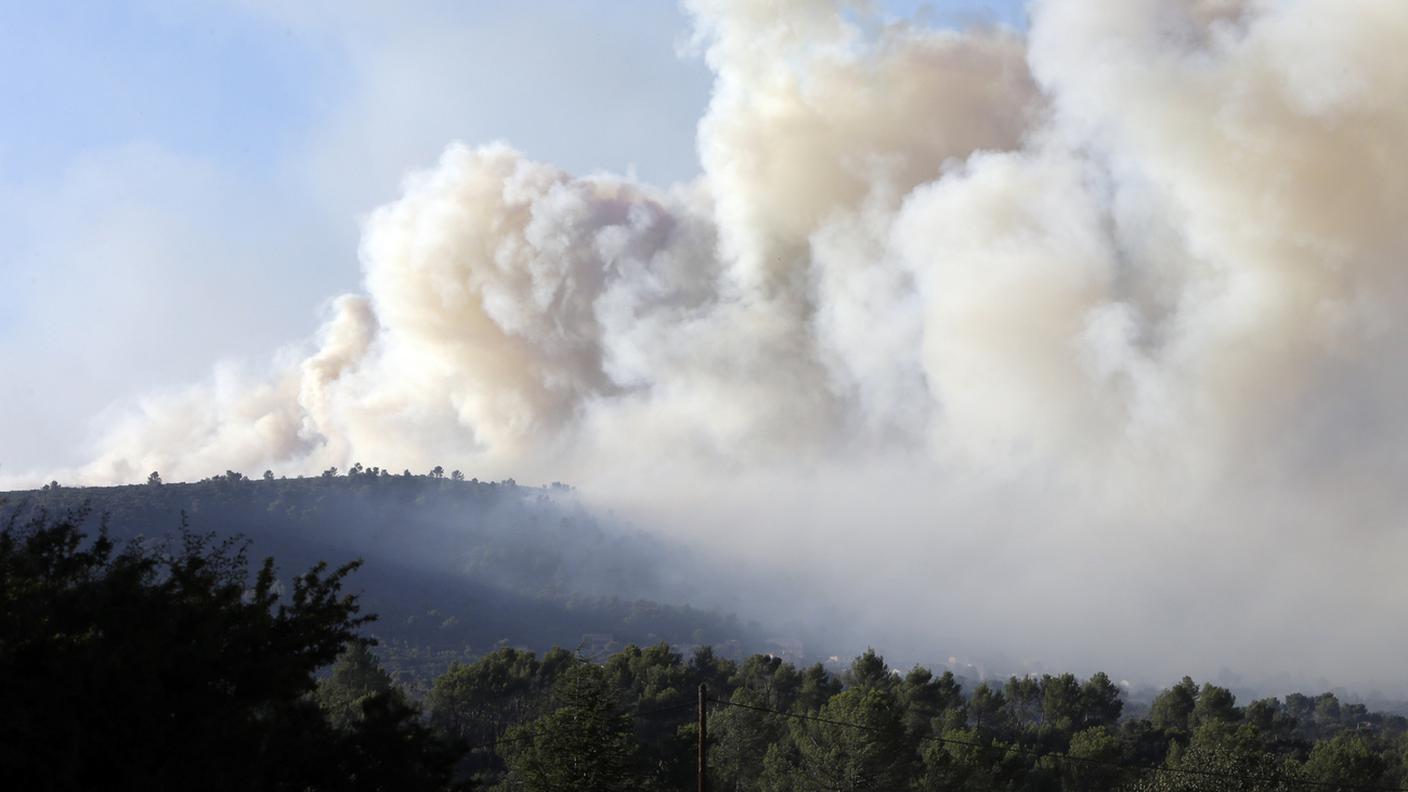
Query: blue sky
x,y
219,83
225,81
180,182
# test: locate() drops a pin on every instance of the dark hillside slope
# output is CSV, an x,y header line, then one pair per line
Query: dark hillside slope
x,y
453,568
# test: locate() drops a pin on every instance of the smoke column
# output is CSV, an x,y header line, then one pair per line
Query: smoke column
x,y
1078,346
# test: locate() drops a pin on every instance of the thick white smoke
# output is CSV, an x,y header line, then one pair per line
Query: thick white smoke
x,y
1084,344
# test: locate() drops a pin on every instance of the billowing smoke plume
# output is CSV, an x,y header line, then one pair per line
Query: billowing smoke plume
x,y
1078,345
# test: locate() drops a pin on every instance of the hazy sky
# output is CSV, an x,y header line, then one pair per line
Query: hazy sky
x,y
182,182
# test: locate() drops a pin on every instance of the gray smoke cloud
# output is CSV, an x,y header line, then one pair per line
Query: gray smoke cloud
x,y
1077,347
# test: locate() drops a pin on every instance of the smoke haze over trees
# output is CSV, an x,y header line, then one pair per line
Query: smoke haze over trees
x,y
1081,344
455,567
128,664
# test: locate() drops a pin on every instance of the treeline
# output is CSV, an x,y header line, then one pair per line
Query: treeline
x,y
775,728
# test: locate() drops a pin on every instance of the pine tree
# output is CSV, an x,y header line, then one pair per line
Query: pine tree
x,y
586,742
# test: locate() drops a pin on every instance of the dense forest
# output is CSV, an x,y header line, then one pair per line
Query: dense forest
x,y
180,664
136,652
772,726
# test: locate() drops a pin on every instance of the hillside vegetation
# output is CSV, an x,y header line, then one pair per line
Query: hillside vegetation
x,y
178,665
454,567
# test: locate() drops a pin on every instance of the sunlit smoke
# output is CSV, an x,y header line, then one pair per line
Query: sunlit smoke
x,y
1080,345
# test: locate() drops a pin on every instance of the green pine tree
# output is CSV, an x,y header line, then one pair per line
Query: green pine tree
x,y
586,742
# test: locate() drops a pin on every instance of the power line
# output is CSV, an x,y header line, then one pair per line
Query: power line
x,y
1083,759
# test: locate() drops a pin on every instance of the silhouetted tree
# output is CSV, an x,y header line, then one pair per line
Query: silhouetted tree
x,y
155,667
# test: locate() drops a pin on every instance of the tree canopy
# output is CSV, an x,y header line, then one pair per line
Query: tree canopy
x,y
178,666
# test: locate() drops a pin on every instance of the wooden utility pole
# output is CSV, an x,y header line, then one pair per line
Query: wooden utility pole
x,y
703,779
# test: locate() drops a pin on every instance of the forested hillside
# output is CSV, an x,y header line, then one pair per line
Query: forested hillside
x,y
454,567
128,665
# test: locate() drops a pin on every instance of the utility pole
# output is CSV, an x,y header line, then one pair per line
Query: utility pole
x,y
703,779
